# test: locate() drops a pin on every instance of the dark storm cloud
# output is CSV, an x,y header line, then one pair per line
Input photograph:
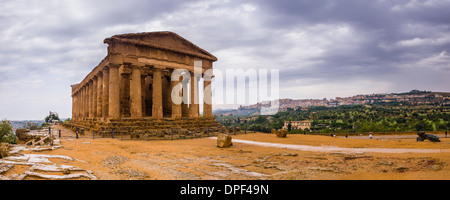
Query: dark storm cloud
x,y
361,13
381,26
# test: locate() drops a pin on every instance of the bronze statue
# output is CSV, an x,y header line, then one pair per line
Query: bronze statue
x,y
423,136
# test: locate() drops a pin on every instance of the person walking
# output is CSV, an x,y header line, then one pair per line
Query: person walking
x,y
370,135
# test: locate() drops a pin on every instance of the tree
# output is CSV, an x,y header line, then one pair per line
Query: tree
x,y
52,116
5,128
442,127
260,120
6,132
276,125
419,127
423,126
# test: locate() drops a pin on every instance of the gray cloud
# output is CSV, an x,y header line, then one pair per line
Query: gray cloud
x,y
323,48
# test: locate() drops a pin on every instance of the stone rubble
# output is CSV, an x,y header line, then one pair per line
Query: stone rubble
x,y
39,164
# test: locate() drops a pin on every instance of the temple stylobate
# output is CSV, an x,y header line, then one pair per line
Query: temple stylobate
x,y
133,86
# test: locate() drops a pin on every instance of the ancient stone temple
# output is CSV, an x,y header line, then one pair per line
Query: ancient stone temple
x,y
133,90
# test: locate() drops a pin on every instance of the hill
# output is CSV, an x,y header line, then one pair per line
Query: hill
x,y
413,97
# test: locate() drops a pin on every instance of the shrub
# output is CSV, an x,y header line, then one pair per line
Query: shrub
x,y
10,138
6,133
43,125
5,128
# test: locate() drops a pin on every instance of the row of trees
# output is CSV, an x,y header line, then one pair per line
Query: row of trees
x,y
359,118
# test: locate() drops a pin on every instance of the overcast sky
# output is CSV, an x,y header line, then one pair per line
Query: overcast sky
x,y
323,48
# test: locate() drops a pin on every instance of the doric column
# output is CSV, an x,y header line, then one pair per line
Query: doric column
x,y
136,91
81,102
185,102
157,106
86,92
114,101
176,98
73,105
148,96
94,96
124,90
167,102
86,100
77,104
91,98
193,107
99,94
105,93
207,97
144,93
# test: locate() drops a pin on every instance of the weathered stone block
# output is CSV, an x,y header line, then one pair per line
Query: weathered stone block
x,y
282,133
224,140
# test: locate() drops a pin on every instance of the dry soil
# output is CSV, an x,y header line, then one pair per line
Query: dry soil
x,y
116,159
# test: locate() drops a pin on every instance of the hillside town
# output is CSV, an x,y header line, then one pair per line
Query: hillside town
x,y
413,97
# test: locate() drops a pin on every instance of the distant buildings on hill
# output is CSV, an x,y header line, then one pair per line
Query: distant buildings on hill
x,y
414,97
306,124
21,123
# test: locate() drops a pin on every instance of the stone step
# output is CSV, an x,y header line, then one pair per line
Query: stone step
x,y
149,126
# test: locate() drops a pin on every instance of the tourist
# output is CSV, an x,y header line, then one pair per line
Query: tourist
x,y
370,135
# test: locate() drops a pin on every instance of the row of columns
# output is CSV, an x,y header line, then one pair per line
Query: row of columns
x,y
100,96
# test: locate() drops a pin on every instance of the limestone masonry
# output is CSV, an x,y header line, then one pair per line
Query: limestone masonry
x,y
131,89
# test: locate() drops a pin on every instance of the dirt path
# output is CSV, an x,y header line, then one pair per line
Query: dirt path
x,y
334,149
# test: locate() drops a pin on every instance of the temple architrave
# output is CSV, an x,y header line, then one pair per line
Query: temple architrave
x,y
130,91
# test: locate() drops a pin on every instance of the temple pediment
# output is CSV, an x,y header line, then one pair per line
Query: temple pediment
x,y
165,40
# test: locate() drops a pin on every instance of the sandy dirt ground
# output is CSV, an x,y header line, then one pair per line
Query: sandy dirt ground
x,y
193,159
